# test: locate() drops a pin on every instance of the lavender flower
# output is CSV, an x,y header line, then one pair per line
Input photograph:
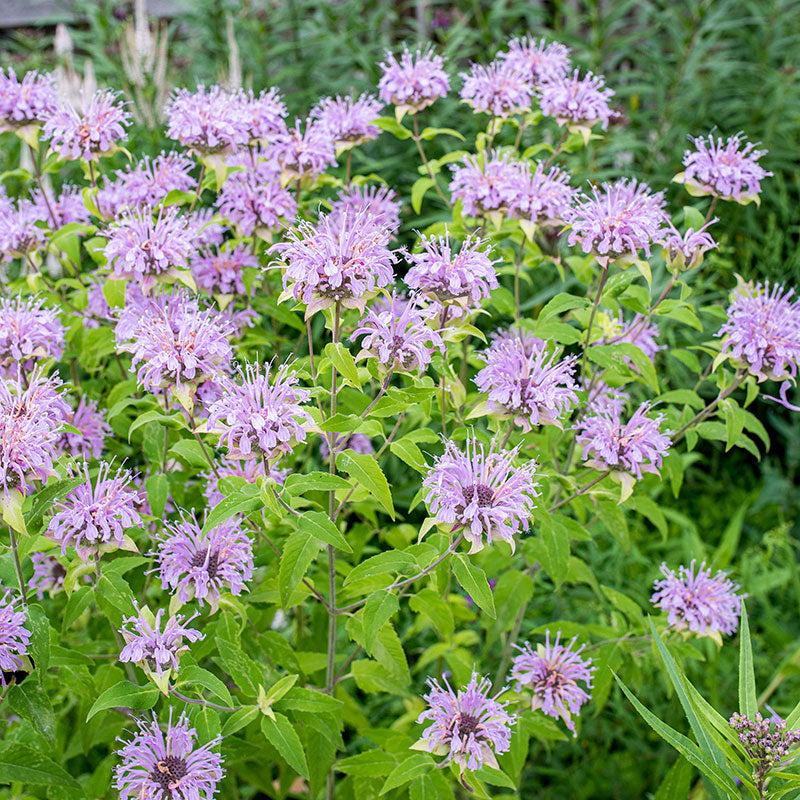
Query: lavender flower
x,y
206,229
20,235
263,115
94,516
28,101
167,766
728,170
255,201
222,271
602,398
552,674
577,102
201,565
686,250
621,219
397,335
532,387
357,442
464,275
763,332
90,131
481,492
706,604
146,249
413,82
488,184
249,471
767,742
91,423
343,261
304,153
208,120
348,120
258,418
635,446
468,726
14,637
497,89
153,647
29,331
48,574
544,195
65,209
538,62
380,202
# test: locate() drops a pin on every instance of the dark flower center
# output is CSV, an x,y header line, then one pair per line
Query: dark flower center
x,y
168,771
199,560
58,571
467,724
484,494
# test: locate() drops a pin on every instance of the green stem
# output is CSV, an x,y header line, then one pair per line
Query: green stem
x,y
418,141
18,567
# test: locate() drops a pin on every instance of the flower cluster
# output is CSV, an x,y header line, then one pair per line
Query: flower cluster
x,y
414,81
92,428
29,101
14,636
222,271
380,202
207,120
348,120
577,102
489,183
29,331
48,574
767,742
538,62
497,89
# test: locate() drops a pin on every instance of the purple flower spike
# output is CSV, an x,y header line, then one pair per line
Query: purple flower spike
x,y
441,272
706,604
481,492
154,644
88,132
208,120
144,248
527,382
635,446
28,101
469,726
201,565
497,89
728,170
380,202
620,219
576,101
348,120
29,331
168,765
413,82
538,62
397,335
257,418
93,517
91,423
14,637
222,271
48,574
552,674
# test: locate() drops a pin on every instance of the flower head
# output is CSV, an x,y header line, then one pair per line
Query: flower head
x,y
528,384
29,331
602,398
413,82
620,219
94,516
497,89
28,101
338,260
91,423
154,644
468,726
482,492
686,250
545,195
167,765
635,446
576,101
207,120
257,417
201,565
20,231
397,335
379,202
90,131
552,674
487,183
302,152
348,120
222,271
767,742
538,62
728,170
14,637
440,271
706,604
263,115
48,574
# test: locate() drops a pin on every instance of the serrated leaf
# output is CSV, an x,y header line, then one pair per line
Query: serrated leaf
x,y
382,564
202,677
342,359
473,582
556,548
372,762
22,764
364,468
125,695
408,452
280,733
412,767
380,607
315,481
239,503
299,550
319,525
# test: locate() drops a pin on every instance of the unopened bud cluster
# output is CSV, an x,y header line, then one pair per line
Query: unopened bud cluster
x,y
765,740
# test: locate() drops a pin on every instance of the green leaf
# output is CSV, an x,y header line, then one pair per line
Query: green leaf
x,y
408,452
418,190
414,765
380,607
384,563
22,764
365,765
125,695
473,582
39,626
430,133
342,359
677,781
319,525
364,468
157,492
30,701
435,608
315,482
391,125
299,550
748,704
240,718
239,503
561,303
734,421
202,677
45,498
556,548
189,451
280,733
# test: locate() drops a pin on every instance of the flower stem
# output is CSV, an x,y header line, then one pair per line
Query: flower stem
x,y
418,140
580,491
18,567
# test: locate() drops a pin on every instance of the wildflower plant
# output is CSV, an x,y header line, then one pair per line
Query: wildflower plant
x,y
335,482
